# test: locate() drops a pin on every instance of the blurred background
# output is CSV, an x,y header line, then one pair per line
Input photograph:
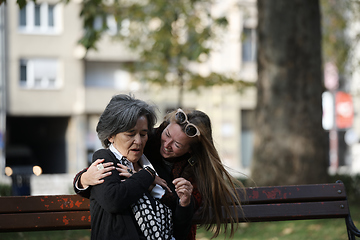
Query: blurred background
x,y
62,61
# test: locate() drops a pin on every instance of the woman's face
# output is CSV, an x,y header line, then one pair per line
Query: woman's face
x,y
132,142
174,142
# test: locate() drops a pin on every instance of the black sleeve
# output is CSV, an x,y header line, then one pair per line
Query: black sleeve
x,y
115,195
84,193
182,218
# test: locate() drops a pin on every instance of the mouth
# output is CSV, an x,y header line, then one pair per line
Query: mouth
x,y
135,150
167,150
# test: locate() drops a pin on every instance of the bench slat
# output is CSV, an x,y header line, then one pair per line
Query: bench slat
x,y
296,211
43,203
45,221
290,211
253,213
313,192
276,194
279,203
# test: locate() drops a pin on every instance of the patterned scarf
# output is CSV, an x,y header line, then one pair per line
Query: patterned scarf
x,y
155,224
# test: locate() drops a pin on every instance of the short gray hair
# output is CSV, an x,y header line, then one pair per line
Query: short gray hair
x,y
121,115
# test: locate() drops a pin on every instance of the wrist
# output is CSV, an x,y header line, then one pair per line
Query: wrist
x,y
151,171
183,203
81,182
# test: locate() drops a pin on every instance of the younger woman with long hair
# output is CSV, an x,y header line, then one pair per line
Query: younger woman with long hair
x,y
182,147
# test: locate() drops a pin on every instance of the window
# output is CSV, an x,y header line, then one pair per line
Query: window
x,y
51,15
249,45
111,24
37,15
22,17
39,18
108,75
39,73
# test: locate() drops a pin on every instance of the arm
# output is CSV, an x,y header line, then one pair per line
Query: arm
x,y
77,189
182,220
184,210
91,176
115,195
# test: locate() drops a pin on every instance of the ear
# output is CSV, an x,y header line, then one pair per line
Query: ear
x,y
111,139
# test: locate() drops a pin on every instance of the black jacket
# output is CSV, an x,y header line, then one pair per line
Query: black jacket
x,y
111,214
182,216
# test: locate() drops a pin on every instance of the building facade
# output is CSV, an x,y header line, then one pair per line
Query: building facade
x,y
55,92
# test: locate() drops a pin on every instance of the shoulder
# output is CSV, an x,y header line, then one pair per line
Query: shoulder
x,y
103,153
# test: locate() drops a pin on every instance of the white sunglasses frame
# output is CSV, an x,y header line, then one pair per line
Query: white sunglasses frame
x,y
187,123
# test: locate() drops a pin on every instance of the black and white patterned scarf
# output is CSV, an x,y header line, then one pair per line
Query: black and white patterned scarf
x,y
155,224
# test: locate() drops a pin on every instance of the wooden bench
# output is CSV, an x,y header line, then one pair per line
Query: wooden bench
x,y
261,204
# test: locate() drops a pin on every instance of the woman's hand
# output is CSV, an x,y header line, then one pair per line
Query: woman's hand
x,y
184,190
125,171
94,174
158,180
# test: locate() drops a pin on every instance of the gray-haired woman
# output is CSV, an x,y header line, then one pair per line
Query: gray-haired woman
x,y
125,206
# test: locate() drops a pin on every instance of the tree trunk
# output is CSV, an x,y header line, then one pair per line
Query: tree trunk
x,y
290,143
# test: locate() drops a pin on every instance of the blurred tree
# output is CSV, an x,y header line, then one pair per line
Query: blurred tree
x,y
170,38
290,143
335,43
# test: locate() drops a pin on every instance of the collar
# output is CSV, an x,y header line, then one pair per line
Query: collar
x,y
119,156
157,192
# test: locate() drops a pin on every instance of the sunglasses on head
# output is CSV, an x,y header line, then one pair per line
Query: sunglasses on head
x,y
190,129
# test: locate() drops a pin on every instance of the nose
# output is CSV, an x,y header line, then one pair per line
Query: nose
x,y
137,139
167,143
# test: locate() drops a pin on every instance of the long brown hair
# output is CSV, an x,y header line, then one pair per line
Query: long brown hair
x,y
215,184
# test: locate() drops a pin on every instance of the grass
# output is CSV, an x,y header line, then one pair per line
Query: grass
x,y
325,229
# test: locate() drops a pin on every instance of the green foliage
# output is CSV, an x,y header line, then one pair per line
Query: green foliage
x,y
169,37
336,43
5,190
21,3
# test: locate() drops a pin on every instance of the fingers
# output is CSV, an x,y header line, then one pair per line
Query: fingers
x,y
182,184
162,183
95,174
108,164
122,166
184,196
98,165
98,161
125,171
103,175
106,167
184,190
180,181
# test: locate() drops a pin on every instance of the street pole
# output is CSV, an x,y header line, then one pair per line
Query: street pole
x,y
331,82
3,75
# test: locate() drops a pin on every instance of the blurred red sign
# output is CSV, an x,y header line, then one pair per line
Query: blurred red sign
x,y
344,110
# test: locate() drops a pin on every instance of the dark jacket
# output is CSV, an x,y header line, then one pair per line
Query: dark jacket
x,y
111,214
180,168
182,216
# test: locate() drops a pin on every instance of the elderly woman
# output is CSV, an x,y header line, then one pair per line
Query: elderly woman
x,y
182,147
127,206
